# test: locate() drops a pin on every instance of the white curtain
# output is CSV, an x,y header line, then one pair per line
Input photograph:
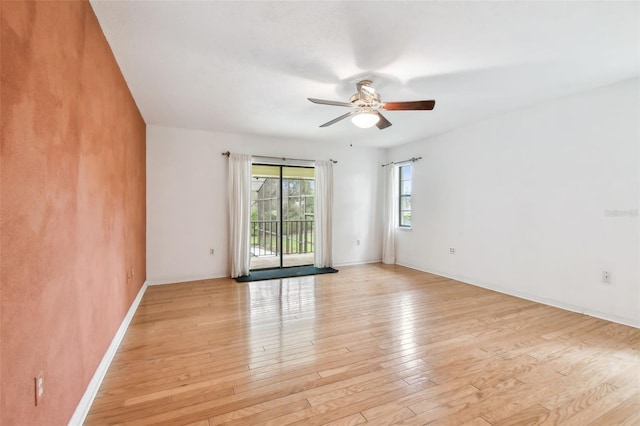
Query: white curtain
x,y
239,213
323,214
390,216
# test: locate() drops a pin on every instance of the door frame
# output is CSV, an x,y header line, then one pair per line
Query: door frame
x,y
280,225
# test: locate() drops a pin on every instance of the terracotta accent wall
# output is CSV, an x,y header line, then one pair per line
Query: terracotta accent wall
x,y
72,205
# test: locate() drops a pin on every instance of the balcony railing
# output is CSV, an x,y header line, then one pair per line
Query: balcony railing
x,y
297,237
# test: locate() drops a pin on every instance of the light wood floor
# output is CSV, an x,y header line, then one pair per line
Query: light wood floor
x,y
373,343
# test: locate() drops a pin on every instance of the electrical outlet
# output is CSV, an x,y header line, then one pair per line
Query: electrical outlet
x,y
452,250
211,252
606,277
357,242
39,387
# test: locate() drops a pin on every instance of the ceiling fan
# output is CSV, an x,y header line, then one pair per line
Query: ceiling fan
x,y
366,105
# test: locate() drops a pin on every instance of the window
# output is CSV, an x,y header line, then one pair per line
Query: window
x,y
405,196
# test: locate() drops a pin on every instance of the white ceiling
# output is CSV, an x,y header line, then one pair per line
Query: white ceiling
x,y
248,67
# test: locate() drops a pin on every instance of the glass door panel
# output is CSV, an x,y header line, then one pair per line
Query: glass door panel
x,y
282,232
265,217
298,185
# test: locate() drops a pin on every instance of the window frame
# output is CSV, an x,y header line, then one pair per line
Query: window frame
x,y
402,195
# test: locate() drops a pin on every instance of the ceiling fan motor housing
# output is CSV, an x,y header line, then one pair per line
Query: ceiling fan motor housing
x,y
372,97
375,97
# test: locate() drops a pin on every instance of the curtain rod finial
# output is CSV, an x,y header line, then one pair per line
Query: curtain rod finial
x,y
226,153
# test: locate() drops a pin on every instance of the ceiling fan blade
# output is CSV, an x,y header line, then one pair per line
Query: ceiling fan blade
x,y
409,106
335,120
336,103
383,123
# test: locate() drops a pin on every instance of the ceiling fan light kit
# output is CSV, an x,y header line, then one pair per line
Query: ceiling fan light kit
x,y
366,106
365,119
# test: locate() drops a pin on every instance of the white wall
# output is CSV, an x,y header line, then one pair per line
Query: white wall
x,y
187,199
522,197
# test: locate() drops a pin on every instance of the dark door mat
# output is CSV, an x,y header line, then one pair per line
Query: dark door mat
x,y
274,274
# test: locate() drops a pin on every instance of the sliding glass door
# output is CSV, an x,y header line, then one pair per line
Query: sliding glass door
x,y
282,219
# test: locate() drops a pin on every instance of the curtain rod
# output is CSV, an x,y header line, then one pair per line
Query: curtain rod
x,y
227,153
410,160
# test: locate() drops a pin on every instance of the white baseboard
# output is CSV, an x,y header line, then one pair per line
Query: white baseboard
x,y
175,280
83,407
550,302
357,262
186,279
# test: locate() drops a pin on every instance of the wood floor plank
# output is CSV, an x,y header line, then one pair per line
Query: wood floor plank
x,y
478,421
350,404
389,416
354,419
255,414
570,408
595,413
329,385
379,344
470,408
533,415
